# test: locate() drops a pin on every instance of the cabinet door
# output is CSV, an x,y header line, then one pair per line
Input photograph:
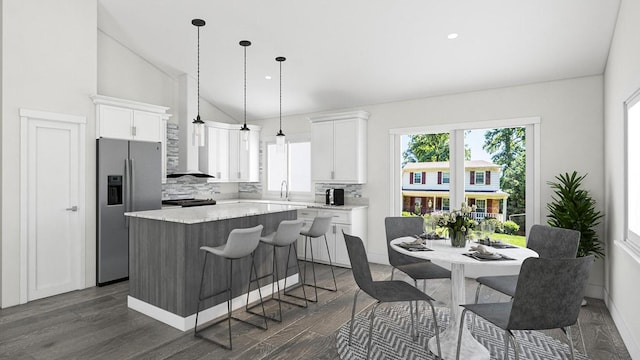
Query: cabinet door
x,y
342,256
115,122
214,156
147,126
234,155
345,147
322,156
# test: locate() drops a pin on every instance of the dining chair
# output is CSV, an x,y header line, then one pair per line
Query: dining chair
x,y
417,269
382,291
549,242
548,295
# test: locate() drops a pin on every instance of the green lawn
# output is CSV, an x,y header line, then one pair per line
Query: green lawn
x,y
511,239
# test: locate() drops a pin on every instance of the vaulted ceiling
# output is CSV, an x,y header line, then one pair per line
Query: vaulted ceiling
x,y
349,53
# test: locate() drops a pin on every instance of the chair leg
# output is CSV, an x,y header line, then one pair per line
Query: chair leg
x,y
568,332
506,345
473,321
335,284
204,265
392,271
255,271
353,313
229,300
436,328
313,269
464,312
413,326
373,314
286,274
515,345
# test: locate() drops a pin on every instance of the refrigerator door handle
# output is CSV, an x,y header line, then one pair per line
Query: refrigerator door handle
x,y
127,191
132,194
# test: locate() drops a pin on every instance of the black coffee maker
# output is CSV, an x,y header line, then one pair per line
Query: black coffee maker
x,y
334,197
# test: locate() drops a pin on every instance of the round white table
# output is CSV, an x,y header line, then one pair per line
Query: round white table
x,y
461,266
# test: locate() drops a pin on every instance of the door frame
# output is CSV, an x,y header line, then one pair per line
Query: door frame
x,y
26,116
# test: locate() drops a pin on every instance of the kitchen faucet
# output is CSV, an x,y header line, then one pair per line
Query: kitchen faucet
x,y
286,188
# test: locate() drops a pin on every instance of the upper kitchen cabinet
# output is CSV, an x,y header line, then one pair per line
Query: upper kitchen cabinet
x,y
339,147
227,157
130,120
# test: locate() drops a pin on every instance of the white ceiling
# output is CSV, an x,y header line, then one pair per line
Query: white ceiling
x,y
349,53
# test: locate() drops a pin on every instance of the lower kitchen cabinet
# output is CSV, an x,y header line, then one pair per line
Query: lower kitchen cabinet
x,y
352,221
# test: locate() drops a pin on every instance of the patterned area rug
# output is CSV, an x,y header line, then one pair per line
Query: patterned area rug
x,y
392,337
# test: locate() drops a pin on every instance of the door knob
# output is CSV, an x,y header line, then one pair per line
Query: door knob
x,y
73,208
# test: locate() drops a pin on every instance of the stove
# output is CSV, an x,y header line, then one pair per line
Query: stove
x,y
189,202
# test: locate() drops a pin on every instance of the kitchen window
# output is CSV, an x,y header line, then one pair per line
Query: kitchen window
x,y
289,172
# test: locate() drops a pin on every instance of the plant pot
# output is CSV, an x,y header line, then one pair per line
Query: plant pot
x,y
458,238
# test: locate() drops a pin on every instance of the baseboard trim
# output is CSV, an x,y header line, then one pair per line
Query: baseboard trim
x,y
187,323
627,336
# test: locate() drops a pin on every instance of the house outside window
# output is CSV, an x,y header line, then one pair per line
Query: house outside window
x,y
481,206
445,177
445,204
417,178
479,177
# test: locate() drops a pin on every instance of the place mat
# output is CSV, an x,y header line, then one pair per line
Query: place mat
x,y
496,244
479,257
414,247
392,338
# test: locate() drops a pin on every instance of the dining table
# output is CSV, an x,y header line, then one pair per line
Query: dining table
x,y
464,263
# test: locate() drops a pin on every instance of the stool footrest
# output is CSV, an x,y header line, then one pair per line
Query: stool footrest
x,y
321,287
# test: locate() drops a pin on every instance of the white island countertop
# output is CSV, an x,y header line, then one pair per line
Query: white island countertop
x,y
200,214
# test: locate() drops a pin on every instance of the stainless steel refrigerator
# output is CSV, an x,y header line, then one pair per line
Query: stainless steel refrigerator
x,y
129,179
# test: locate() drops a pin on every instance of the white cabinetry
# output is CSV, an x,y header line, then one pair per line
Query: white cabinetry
x,y
227,157
339,147
351,221
131,120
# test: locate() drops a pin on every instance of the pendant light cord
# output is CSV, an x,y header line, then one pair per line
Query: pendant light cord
x,y
280,96
198,73
245,86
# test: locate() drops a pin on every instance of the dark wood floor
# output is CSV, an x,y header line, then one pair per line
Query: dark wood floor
x,y
95,323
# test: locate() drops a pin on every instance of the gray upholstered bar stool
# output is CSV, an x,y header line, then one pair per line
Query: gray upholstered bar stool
x,y
285,236
318,228
240,243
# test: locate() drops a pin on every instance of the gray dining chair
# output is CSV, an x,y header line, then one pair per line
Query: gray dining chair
x,y
549,242
383,291
548,295
417,269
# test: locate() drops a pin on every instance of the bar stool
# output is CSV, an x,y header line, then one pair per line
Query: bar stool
x,y
285,236
318,228
240,243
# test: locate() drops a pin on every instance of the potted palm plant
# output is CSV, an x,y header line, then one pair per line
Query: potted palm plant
x,y
573,208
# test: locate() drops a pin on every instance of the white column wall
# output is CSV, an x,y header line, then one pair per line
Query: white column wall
x,y
49,64
621,79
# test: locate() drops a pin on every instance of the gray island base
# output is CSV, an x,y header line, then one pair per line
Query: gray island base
x,y
165,263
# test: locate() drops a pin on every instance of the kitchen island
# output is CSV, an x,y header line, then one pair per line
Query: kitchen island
x,y
165,263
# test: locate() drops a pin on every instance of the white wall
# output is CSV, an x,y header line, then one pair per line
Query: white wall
x,y
49,64
124,74
622,78
571,113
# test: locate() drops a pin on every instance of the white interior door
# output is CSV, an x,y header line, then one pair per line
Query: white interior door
x,y
53,200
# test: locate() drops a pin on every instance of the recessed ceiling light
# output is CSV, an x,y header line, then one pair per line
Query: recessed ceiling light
x,y
452,36
268,77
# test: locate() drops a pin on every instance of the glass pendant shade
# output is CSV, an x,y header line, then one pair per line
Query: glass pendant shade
x,y
198,132
280,141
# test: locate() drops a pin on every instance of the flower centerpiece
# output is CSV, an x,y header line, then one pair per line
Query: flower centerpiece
x,y
458,223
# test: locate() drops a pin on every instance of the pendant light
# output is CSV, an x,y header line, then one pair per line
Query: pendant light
x,y
280,137
244,130
198,124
